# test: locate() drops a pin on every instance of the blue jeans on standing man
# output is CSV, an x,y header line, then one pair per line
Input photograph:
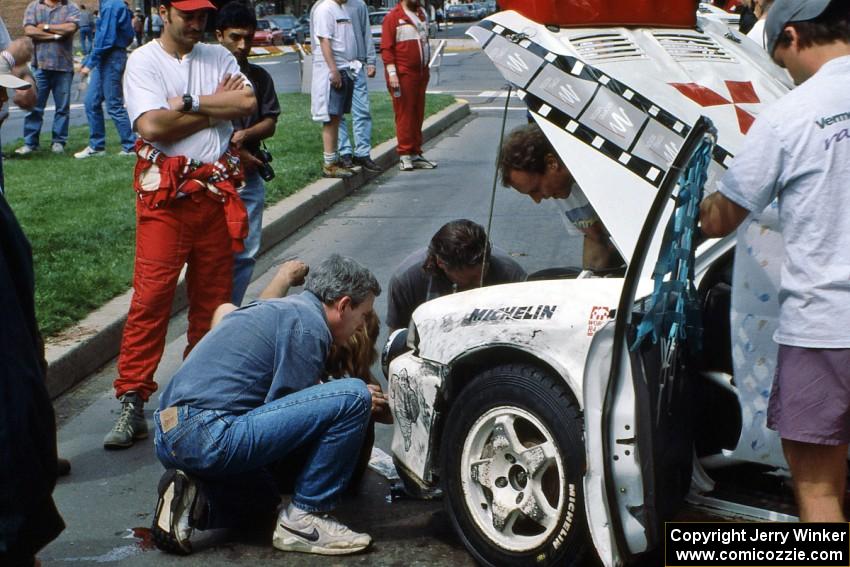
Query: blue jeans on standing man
x,y
58,83
254,197
86,39
362,121
105,86
228,452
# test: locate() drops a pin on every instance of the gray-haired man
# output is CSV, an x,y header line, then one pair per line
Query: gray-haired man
x,y
250,394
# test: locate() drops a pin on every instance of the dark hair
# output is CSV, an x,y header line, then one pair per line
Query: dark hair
x,y
458,244
831,26
235,15
524,149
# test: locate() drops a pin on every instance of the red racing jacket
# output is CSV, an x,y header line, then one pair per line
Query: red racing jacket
x,y
400,44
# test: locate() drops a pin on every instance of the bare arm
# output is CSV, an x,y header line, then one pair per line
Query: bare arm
x,y
263,129
718,216
232,99
291,273
328,54
38,34
169,125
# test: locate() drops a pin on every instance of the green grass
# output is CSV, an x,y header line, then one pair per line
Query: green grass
x,y
79,215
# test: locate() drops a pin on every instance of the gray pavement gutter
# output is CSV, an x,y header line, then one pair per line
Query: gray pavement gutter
x,y
93,342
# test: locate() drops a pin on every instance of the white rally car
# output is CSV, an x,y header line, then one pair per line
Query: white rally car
x,y
556,429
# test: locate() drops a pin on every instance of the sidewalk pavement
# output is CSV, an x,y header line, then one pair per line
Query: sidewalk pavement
x,y
82,349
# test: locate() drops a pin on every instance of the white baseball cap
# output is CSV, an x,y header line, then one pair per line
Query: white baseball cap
x,y
8,79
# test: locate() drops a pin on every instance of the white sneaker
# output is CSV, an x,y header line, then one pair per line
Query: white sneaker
x,y
406,163
126,153
24,150
89,152
178,495
302,531
57,148
419,162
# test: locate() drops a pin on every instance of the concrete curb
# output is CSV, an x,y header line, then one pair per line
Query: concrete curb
x,y
94,341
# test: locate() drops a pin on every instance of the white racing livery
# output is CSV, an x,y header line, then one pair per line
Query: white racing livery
x,y
554,431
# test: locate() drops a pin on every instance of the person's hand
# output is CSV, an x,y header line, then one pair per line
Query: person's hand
x,y
85,71
249,160
229,83
336,79
380,405
393,81
294,271
25,99
370,71
238,138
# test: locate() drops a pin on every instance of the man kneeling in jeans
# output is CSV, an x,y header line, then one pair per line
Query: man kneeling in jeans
x,y
247,396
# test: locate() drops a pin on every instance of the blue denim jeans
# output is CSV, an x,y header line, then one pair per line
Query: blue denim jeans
x,y
58,83
228,452
86,39
362,121
105,86
254,197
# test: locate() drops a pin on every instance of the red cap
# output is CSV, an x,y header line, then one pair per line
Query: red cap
x,y
192,5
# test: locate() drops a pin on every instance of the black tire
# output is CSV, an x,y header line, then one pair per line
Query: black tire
x,y
523,390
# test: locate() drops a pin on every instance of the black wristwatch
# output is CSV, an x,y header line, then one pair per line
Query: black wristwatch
x,y
187,103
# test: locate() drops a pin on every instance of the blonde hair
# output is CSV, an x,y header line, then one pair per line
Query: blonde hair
x,y
358,354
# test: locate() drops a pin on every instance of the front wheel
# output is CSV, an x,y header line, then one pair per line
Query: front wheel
x,y
512,469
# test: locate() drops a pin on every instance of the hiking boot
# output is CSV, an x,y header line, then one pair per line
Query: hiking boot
x,y
335,170
419,162
366,163
406,163
178,503
24,150
57,148
88,152
131,424
302,531
348,163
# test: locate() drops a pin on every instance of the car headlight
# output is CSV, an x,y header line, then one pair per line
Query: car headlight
x,y
396,345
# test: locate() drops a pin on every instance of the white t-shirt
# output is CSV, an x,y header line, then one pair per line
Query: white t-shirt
x,y
330,20
576,212
798,150
756,33
153,76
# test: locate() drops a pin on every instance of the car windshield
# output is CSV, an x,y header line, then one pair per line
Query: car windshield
x,y
285,22
377,18
263,25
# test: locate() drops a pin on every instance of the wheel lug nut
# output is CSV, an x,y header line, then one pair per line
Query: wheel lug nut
x,y
501,482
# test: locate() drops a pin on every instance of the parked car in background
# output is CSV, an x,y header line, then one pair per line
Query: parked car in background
x,y
303,29
289,25
267,33
376,20
491,7
465,12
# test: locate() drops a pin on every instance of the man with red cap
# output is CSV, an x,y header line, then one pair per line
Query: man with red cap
x,y
181,98
406,52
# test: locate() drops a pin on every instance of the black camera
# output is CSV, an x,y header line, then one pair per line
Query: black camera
x,y
265,170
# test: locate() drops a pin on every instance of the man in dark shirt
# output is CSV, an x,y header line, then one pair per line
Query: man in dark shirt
x,y
454,261
235,29
28,517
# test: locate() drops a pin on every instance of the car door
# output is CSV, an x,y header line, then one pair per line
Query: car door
x,y
637,387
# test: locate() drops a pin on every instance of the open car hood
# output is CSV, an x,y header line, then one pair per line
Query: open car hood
x,y
617,103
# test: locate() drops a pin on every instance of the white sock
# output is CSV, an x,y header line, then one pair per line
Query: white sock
x,y
330,158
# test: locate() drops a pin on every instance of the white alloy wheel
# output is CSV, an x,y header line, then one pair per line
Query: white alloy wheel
x,y
512,477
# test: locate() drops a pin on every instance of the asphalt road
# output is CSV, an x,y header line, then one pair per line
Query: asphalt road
x,y
109,498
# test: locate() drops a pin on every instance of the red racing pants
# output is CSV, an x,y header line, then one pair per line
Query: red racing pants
x,y
409,111
191,230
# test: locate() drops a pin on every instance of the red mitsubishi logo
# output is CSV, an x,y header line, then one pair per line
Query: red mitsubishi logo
x,y
742,92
